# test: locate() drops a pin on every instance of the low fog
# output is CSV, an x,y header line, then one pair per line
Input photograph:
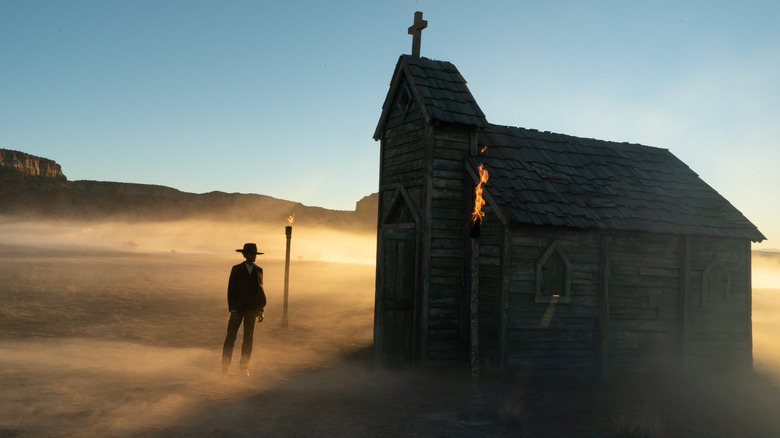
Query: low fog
x,y
115,330
766,313
192,237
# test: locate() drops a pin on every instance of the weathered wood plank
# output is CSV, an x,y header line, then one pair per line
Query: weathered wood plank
x,y
451,184
450,154
445,271
731,320
448,280
638,281
629,325
415,159
633,313
447,173
405,170
454,261
572,323
522,287
447,164
524,302
719,339
551,365
447,194
556,353
447,243
659,272
627,291
448,253
445,137
396,129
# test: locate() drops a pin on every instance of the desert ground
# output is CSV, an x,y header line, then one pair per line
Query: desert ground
x,y
116,331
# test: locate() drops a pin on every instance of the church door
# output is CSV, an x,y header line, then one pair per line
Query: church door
x,y
398,285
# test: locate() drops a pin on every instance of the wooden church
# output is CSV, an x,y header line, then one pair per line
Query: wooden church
x,y
593,255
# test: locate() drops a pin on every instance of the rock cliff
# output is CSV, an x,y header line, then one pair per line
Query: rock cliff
x,y
30,165
36,187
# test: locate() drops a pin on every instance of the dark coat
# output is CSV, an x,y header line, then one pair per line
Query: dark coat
x,y
245,290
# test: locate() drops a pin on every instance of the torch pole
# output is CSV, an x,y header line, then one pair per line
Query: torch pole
x,y
477,404
474,311
288,233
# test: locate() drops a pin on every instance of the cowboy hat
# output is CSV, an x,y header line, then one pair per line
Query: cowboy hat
x,y
249,248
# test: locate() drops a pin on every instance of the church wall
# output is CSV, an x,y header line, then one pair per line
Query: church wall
x,y
644,301
446,212
552,336
647,328
402,171
403,156
720,328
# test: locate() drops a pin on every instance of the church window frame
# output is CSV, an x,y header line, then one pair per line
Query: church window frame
x,y
553,273
404,100
716,283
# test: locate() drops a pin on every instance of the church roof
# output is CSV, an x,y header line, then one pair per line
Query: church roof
x,y
440,89
543,178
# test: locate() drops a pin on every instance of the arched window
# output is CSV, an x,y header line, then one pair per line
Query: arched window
x,y
716,283
553,276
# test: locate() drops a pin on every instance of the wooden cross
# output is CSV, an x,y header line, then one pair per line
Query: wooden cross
x,y
416,31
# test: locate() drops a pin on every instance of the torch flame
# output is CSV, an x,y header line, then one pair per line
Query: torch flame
x,y
479,201
483,150
291,219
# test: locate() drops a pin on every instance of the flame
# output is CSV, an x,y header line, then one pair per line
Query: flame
x,y
483,150
291,219
479,201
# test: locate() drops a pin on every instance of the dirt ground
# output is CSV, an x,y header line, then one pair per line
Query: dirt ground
x,y
125,344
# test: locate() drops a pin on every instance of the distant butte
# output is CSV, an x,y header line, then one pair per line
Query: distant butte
x,y
36,187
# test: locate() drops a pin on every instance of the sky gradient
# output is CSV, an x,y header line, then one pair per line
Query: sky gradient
x,y
282,98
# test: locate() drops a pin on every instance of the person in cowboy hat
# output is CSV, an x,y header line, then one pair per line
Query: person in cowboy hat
x,y
246,301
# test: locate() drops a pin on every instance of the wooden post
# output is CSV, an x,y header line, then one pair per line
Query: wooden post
x,y
288,233
476,404
474,315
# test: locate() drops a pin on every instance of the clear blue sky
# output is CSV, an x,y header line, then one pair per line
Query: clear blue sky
x,y
282,98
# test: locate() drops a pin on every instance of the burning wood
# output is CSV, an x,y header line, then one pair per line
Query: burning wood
x,y
479,201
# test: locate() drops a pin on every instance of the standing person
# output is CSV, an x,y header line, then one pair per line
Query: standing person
x,y
246,301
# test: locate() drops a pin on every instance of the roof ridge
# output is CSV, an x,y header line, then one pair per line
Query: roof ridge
x,y
611,142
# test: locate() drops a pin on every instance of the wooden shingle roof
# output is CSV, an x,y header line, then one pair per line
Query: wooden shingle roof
x,y
440,89
543,178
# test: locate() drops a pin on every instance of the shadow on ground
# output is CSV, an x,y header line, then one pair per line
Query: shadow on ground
x,y
350,398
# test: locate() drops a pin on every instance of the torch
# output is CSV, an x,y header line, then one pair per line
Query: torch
x,y
288,233
476,222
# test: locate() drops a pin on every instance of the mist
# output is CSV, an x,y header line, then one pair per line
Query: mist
x,y
192,237
116,330
766,313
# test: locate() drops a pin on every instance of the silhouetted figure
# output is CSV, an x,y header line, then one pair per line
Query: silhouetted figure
x,y
246,301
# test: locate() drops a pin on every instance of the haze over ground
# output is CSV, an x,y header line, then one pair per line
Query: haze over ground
x,y
101,338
